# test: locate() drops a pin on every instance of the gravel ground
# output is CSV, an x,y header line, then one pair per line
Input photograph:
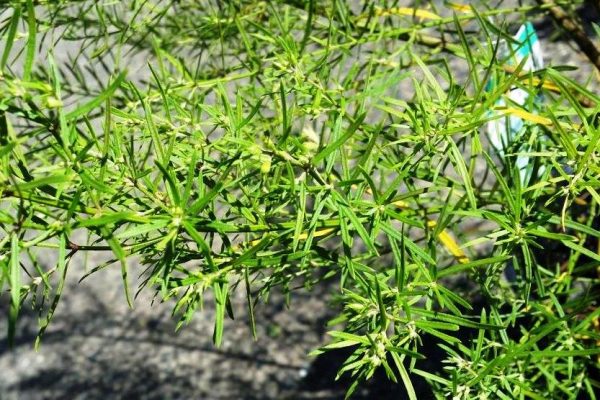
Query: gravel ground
x,y
98,348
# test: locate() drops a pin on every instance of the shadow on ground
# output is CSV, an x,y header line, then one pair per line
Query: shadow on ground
x,y
96,348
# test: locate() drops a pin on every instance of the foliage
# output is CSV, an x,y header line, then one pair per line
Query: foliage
x,y
280,143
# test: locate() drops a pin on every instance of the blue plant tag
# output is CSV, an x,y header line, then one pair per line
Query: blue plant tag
x,y
503,131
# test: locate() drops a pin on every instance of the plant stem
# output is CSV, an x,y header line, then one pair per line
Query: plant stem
x,y
577,32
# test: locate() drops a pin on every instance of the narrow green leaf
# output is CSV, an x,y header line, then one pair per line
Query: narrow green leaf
x,y
471,265
201,243
453,319
173,190
119,252
31,41
580,249
4,150
327,150
137,230
250,303
412,395
62,273
221,298
349,337
359,227
112,218
10,36
44,181
14,279
84,109
462,170
552,353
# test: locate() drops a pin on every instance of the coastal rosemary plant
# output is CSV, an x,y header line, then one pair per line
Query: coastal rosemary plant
x,y
279,144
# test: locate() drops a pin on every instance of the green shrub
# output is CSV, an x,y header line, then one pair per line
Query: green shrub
x,y
279,144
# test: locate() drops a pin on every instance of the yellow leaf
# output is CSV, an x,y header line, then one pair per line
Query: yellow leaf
x,y
400,204
416,12
460,7
450,244
526,115
534,81
322,232
536,119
